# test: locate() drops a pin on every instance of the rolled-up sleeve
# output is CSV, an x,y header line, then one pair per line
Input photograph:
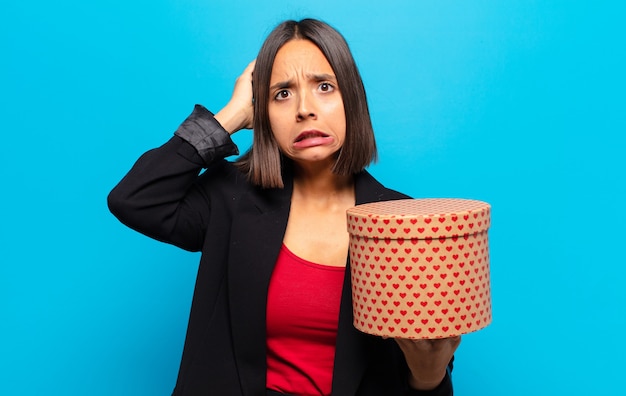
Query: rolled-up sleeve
x,y
206,135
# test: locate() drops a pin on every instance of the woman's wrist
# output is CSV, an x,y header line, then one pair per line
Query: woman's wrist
x,y
228,119
233,117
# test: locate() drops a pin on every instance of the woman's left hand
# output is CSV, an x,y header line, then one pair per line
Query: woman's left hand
x,y
238,113
428,360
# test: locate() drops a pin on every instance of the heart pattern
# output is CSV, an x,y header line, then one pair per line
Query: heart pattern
x,y
420,267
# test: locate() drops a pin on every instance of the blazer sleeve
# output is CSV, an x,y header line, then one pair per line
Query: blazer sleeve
x,y
444,388
161,196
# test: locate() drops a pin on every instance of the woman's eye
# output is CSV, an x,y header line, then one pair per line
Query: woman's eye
x,y
326,87
282,94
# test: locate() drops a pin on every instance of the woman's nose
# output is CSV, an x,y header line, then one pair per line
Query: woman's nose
x,y
306,107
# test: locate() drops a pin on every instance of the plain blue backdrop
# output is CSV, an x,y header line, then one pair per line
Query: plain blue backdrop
x,y
519,103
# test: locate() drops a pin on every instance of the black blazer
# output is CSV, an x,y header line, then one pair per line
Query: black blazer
x,y
239,228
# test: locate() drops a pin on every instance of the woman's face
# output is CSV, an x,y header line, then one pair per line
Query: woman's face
x,y
305,106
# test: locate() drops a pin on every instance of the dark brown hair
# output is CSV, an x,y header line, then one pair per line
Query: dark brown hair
x,y
263,163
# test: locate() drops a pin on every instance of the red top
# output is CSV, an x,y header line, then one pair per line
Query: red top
x,y
302,318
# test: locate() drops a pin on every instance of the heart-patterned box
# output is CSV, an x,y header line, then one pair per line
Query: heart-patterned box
x,y
420,267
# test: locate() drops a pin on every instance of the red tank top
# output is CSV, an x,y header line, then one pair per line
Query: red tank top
x,y
302,317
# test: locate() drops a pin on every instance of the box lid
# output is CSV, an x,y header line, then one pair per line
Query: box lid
x,y
419,218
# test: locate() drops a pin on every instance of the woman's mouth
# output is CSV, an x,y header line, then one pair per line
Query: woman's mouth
x,y
309,135
311,139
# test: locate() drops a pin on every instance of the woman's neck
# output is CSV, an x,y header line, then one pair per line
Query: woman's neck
x,y
321,184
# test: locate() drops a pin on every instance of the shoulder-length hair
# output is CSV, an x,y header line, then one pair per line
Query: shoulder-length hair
x,y
263,162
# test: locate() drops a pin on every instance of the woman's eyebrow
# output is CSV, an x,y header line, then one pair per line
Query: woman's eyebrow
x,y
281,85
322,77
312,77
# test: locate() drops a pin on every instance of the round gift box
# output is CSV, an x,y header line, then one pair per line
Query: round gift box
x,y
420,267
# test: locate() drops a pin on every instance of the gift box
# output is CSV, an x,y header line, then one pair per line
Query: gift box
x,y
420,267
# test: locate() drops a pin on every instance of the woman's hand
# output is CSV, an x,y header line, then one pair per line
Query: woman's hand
x,y
239,111
428,360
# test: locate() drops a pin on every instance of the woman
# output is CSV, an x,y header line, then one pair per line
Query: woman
x,y
271,311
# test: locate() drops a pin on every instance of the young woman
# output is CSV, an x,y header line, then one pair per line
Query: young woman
x,y
271,311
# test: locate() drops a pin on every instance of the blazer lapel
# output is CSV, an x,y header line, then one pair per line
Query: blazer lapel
x,y
351,355
257,236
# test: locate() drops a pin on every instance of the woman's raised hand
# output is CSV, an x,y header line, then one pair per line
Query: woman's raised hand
x,y
239,111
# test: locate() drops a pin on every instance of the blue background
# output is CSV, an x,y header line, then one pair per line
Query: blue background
x,y
518,103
